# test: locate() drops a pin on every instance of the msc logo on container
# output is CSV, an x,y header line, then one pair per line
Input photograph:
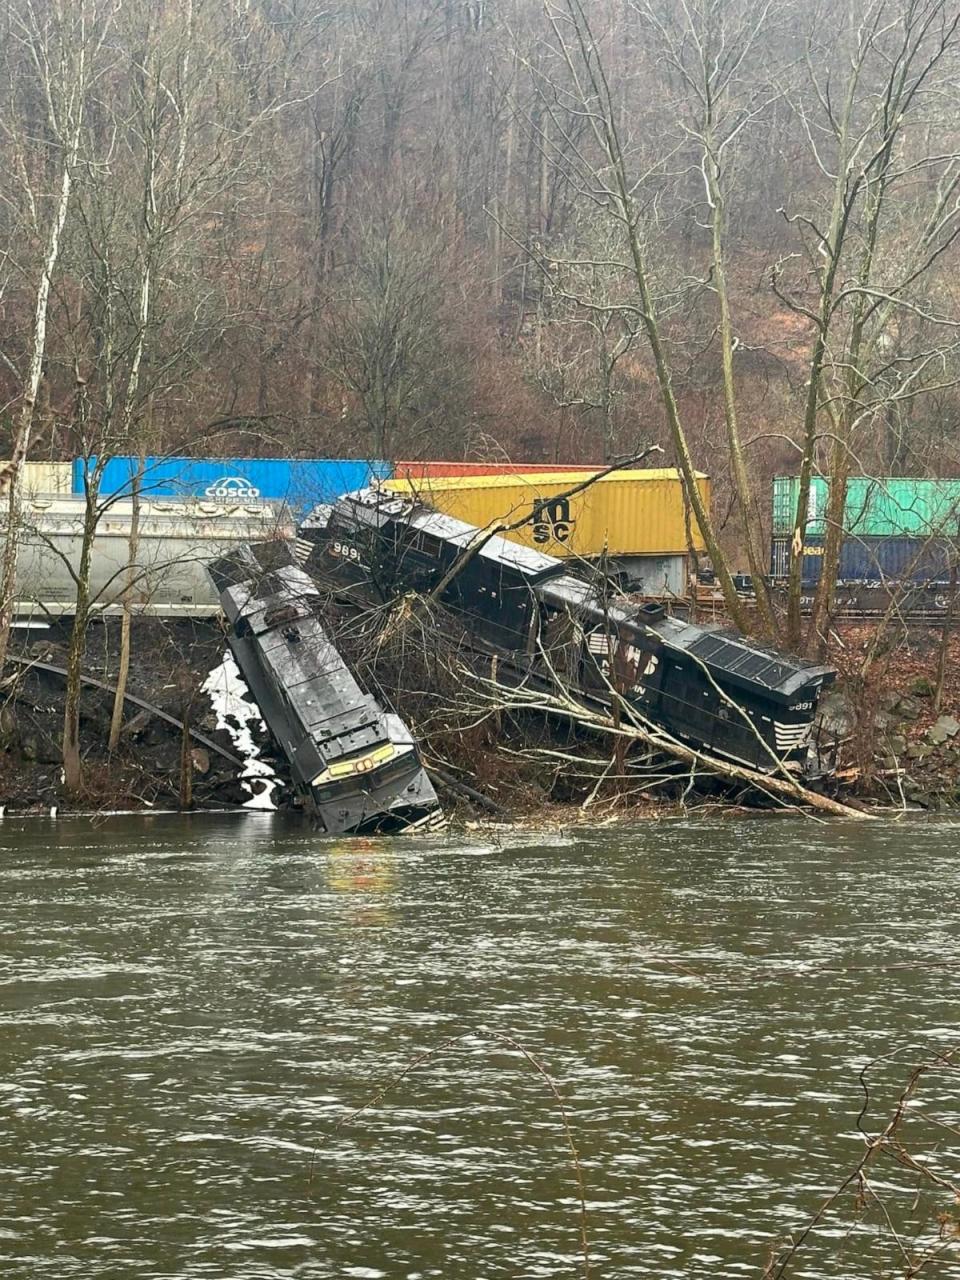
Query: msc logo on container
x,y
551,519
232,487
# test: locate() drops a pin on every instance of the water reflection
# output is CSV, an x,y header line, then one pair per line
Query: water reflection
x,y
364,871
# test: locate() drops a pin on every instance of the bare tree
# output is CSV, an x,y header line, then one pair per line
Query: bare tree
x,y
719,54
604,175
54,58
870,158
390,341
157,168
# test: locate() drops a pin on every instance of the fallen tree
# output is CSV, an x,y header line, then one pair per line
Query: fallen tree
x,y
624,723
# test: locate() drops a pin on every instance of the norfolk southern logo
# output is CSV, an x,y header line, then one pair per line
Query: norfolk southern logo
x,y
551,519
235,487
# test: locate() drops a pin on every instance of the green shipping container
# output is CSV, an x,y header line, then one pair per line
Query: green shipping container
x,y
884,507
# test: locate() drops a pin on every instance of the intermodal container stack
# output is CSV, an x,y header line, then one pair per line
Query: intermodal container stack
x,y
636,518
895,528
417,470
300,483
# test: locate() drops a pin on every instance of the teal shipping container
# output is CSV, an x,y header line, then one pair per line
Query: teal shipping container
x,y
876,507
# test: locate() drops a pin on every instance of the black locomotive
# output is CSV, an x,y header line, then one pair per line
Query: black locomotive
x,y
710,688
355,764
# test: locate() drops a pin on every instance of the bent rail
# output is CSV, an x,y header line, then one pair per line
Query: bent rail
x,y
92,682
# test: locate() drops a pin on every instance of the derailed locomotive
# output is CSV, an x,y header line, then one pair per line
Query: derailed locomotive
x,y
356,765
709,688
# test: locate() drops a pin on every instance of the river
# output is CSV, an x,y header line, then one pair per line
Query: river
x,y
192,1006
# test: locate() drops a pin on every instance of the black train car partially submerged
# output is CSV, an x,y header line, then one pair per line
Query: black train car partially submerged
x,y
710,688
356,765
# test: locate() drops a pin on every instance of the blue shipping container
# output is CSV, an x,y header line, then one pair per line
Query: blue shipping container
x,y
300,482
870,559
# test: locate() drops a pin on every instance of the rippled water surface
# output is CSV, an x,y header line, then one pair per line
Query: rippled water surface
x,y
190,1006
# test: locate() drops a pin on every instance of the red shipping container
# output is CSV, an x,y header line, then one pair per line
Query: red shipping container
x,y
421,470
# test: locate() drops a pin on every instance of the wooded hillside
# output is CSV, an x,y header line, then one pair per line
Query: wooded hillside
x,y
540,232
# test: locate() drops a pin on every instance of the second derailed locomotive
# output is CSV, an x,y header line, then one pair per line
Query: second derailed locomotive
x,y
709,688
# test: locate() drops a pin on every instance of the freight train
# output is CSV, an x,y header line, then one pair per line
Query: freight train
x,y
355,764
709,688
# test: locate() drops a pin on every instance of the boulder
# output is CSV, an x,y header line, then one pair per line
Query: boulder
x,y
919,797
906,709
36,746
837,715
943,728
921,687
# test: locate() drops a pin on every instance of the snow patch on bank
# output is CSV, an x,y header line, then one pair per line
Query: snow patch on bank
x,y
238,714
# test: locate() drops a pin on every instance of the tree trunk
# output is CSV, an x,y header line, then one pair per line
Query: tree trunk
x,y
21,439
742,488
72,764
945,633
186,759
123,671
818,632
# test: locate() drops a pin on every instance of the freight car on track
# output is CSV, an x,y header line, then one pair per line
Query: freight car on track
x,y
896,529
709,688
355,764
177,539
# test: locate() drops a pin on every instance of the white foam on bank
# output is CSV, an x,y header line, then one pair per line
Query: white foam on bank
x,y
237,713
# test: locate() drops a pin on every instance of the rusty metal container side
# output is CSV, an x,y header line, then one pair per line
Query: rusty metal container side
x,y
624,513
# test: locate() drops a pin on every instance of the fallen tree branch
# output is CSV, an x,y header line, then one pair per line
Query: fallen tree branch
x,y
568,708
31,664
470,793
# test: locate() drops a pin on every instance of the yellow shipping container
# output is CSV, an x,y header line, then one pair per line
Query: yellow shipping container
x,y
626,513
47,477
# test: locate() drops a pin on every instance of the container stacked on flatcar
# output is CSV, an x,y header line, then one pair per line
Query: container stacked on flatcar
x,y
636,521
896,529
412,470
299,483
711,689
44,478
